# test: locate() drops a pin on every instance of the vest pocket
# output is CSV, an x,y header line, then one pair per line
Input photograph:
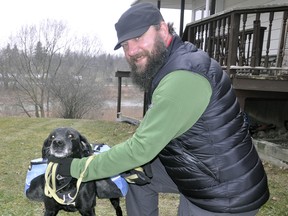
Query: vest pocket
x,y
199,164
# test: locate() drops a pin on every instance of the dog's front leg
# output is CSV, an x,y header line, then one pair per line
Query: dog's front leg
x,y
116,204
50,213
90,212
51,207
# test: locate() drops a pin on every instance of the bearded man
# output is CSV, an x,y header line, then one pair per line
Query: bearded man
x,y
193,139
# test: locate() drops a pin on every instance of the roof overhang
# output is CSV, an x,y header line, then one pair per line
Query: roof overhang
x,y
170,4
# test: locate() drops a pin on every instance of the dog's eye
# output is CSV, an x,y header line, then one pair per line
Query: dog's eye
x,y
52,136
70,136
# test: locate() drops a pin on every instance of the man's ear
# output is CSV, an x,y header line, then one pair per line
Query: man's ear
x,y
164,31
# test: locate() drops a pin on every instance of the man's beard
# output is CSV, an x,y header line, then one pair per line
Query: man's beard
x,y
143,76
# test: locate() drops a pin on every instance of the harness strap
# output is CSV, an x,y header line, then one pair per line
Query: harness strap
x,y
50,184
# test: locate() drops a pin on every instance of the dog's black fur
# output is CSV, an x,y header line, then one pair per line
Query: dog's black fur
x,y
68,142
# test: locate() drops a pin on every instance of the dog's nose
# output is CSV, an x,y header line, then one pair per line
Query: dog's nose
x,y
58,142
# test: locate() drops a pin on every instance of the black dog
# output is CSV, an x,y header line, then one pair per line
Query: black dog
x,y
67,142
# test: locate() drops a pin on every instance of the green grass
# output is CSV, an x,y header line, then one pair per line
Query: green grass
x,y
22,139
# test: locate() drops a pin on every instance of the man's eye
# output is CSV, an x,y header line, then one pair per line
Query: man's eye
x,y
124,45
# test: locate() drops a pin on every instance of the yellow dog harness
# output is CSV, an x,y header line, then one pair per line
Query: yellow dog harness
x,y
50,189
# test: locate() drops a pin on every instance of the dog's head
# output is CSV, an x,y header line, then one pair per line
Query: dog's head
x,y
66,142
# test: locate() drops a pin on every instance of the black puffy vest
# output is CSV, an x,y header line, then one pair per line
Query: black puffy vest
x,y
214,163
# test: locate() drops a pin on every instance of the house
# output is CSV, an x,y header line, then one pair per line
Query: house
x,y
250,41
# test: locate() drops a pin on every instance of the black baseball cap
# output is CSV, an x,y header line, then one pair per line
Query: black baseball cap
x,y
136,21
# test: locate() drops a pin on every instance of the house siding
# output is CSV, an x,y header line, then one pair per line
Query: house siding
x,y
246,3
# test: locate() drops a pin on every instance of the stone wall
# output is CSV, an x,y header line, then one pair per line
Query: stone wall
x,y
272,153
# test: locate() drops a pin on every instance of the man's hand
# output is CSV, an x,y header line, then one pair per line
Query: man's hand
x,y
64,165
140,176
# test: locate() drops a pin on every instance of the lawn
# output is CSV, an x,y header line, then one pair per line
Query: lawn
x,y
22,140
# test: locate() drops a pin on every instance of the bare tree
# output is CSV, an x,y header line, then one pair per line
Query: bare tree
x,y
52,65
76,96
7,67
39,56
78,87
4,66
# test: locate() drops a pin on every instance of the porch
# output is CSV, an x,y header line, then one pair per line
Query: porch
x,y
251,44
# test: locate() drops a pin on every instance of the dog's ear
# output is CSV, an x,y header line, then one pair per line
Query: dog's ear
x,y
46,148
85,146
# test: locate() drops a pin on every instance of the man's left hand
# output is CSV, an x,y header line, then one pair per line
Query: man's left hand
x,y
64,165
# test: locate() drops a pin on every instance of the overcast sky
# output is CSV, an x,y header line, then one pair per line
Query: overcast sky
x,y
83,17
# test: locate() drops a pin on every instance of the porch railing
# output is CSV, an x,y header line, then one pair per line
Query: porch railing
x,y
245,40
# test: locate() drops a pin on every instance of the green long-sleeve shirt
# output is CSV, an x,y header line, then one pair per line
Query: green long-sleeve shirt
x,y
177,103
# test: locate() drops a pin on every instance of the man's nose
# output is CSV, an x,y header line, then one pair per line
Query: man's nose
x,y
131,48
